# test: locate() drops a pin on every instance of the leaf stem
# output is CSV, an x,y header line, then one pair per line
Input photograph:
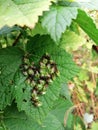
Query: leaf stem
x,y
16,40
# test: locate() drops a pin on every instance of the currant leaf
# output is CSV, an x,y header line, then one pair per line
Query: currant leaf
x,y
57,20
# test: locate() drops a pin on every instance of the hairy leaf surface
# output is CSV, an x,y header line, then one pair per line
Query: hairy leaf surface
x,y
67,70
44,44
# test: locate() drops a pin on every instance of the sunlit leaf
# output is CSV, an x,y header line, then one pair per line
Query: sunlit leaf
x,y
23,12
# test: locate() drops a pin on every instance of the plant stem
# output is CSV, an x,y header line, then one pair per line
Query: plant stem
x,y
16,40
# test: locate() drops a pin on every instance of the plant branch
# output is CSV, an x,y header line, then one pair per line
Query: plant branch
x,y
16,40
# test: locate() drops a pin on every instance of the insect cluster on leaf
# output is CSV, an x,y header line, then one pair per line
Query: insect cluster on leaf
x,y
39,76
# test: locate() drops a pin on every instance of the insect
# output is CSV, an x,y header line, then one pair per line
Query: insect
x,y
95,48
39,76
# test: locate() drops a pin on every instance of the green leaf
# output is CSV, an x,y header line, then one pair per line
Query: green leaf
x,y
65,92
23,12
5,30
52,123
23,98
96,90
62,110
55,119
37,46
87,24
71,41
44,44
91,5
6,95
38,30
79,123
57,20
94,126
75,28
83,75
10,60
61,106
15,120
70,122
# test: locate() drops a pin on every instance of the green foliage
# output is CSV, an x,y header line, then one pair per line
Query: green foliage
x,y
60,108
15,120
65,92
38,30
79,124
71,41
18,120
90,29
10,60
57,20
5,30
94,126
52,123
56,32
91,5
24,12
69,122
64,63
44,44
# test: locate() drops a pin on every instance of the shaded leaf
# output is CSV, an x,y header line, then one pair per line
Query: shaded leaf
x,y
10,60
15,120
6,95
5,30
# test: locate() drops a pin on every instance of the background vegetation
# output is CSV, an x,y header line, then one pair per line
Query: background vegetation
x,y
48,65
